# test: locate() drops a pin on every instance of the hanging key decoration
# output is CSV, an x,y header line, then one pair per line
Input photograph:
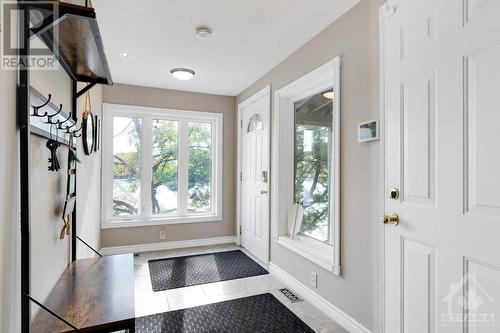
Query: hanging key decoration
x,y
52,145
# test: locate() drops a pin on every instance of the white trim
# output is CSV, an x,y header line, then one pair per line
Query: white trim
x,y
318,80
160,221
250,100
266,91
166,245
380,308
312,253
147,114
322,304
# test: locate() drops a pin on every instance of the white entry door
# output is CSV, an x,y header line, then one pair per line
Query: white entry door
x,y
442,148
254,177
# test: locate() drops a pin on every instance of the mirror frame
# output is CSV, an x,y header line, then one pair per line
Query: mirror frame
x,y
85,135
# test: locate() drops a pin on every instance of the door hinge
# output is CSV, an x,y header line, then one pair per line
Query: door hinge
x,y
240,229
241,176
241,123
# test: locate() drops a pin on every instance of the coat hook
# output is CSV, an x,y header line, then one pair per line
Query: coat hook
x,y
69,127
36,108
75,131
59,126
49,118
75,135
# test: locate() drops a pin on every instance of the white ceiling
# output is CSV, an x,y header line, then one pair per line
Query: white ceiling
x,y
248,39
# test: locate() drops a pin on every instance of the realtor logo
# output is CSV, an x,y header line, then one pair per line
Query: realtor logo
x,y
465,301
13,36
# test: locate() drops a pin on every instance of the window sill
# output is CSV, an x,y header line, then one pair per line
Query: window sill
x,y
128,223
320,258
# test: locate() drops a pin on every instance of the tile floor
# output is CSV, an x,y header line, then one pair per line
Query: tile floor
x,y
149,302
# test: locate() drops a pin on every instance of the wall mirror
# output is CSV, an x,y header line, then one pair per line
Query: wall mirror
x,y
88,134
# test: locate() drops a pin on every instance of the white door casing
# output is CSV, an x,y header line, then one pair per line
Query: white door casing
x,y
441,76
253,175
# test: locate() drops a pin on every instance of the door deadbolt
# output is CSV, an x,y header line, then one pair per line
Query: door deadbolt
x,y
394,193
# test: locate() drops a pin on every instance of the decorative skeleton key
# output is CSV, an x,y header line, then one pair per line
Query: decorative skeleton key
x,y
52,145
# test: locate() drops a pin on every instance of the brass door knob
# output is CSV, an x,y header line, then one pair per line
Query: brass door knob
x,y
392,219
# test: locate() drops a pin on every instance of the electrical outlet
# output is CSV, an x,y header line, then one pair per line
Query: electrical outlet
x,y
163,234
314,279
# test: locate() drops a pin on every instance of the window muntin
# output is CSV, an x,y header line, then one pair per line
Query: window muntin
x,y
313,164
126,166
164,133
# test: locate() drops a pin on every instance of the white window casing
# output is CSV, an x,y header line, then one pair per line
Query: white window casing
x,y
147,114
322,254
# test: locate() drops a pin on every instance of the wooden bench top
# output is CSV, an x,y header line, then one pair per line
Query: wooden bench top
x,y
94,295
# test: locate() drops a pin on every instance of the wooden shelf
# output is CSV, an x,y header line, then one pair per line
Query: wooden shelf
x,y
74,38
95,295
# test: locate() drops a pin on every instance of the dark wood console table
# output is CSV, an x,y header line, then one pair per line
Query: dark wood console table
x,y
95,295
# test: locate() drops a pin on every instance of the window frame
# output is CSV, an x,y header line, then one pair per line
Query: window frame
x,y
326,255
146,217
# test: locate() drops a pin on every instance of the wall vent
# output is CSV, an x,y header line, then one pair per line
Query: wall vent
x,y
291,295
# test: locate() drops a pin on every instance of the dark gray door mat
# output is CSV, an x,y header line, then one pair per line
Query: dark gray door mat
x,y
261,313
171,273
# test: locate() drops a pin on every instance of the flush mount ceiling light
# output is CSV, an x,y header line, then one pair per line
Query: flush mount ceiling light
x,y
203,32
329,94
182,73
123,54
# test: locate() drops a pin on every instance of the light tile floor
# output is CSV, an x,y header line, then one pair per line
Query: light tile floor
x,y
149,302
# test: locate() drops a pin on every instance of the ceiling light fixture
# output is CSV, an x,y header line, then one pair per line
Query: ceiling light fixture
x,y
203,32
182,73
329,94
123,54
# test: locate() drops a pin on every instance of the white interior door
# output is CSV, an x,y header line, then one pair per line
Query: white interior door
x,y
442,83
254,178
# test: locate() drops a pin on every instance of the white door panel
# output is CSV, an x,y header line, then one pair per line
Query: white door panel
x,y
254,152
442,125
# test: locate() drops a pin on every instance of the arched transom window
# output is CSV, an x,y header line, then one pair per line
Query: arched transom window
x,y
255,123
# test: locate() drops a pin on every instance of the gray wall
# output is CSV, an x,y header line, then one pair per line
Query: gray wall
x,y
162,98
354,37
9,226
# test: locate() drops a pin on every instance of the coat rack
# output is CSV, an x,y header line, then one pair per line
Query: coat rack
x,y
82,57
51,122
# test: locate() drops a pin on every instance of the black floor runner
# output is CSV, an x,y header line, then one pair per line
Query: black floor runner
x,y
261,313
186,271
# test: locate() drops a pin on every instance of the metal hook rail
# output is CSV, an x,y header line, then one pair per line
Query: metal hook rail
x,y
36,108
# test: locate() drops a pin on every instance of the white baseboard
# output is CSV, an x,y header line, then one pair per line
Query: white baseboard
x,y
310,296
166,245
